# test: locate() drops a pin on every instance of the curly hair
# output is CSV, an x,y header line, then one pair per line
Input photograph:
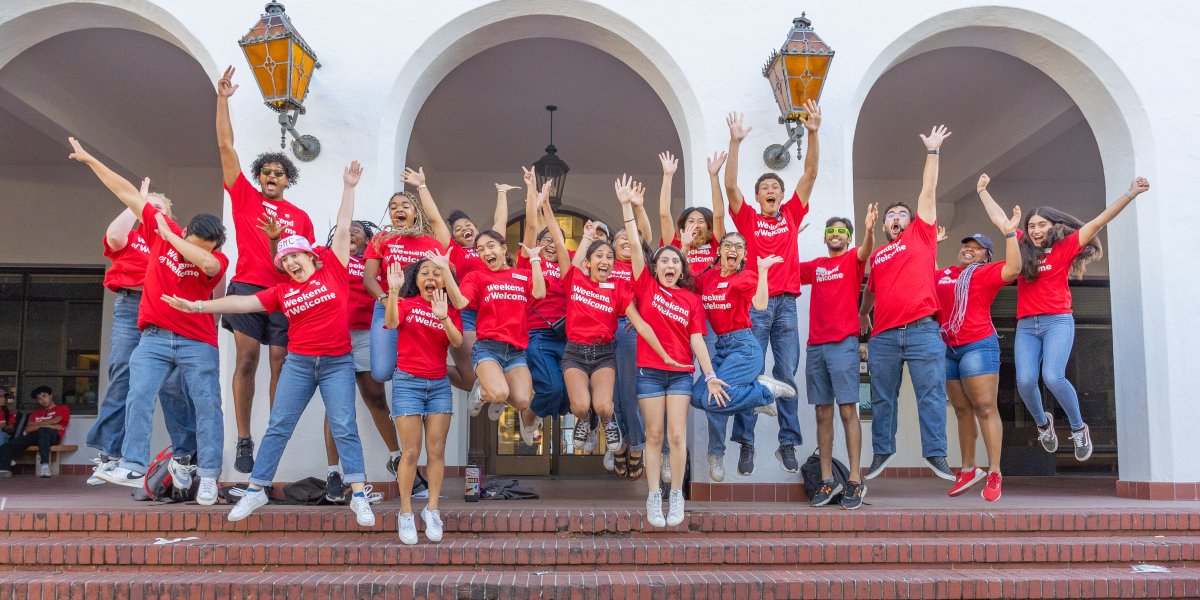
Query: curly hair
x,y
410,289
1062,225
289,168
423,226
685,276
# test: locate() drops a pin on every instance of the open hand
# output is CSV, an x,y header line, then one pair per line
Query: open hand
x,y
872,216
1013,222
639,194
504,188
270,226
767,262
813,121
936,136
395,276
687,236
79,153
715,163
414,178
187,306
353,174
439,260
624,189
534,253
737,128
438,305
941,236
669,162
716,391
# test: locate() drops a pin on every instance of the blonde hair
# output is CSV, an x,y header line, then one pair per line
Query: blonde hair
x,y
166,203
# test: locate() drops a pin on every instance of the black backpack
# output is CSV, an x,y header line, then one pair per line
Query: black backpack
x,y
810,472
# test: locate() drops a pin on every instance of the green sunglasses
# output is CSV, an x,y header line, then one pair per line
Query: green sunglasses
x,y
837,231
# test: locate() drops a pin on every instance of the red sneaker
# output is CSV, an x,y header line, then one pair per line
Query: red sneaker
x,y
991,490
965,479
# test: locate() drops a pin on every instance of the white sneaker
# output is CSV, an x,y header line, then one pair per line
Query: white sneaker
x,y
181,474
777,388
766,409
407,526
529,433
716,468
433,524
44,470
654,513
362,510
665,472
593,440
207,494
102,466
496,410
250,502
122,476
675,508
610,461
475,400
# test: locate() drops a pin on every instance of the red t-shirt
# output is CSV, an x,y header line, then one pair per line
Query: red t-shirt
x,y
168,273
593,308
503,299
255,265
465,260
315,309
900,277
622,271
128,270
833,304
777,236
674,314
727,300
61,411
421,340
554,306
1050,293
361,306
986,282
699,258
389,248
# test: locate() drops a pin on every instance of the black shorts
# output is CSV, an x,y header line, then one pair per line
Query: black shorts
x,y
270,329
589,358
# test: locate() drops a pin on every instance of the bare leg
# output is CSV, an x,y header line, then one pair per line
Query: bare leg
x,y
677,412
982,391
331,454
653,410
603,382
245,366
410,443
462,376
853,429
520,388
579,391
436,428
825,439
493,385
967,431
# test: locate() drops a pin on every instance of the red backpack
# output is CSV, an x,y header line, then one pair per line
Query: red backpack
x,y
157,485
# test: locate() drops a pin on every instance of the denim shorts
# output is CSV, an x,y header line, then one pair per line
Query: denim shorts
x,y
360,350
653,383
831,372
589,358
468,319
974,359
412,395
502,353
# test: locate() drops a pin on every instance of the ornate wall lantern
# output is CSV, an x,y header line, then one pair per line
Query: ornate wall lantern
x,y
797,73
552,168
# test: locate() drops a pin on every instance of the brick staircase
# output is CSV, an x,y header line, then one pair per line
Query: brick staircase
x,y
776,552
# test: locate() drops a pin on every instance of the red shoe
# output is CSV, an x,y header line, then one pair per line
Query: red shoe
x,y
991,490
965,479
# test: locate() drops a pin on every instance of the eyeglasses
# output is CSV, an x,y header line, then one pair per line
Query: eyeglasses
x,y
732,246
895,214
275,172
837,231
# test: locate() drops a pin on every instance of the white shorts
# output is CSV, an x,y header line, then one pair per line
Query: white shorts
x,y
360,349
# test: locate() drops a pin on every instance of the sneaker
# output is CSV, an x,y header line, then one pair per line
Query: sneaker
x,y
362,510
244,463
991,489
940,467
852,498
407,525
583,429
966,479
433,524
393,465
654,513
372,496
675,508
103,463
122,476
1047,436
716,467
664,474
787,457
777,388
5,474
766,409
529,432
181,472
335,488
878,463
829,488
207,494
1081,438
593,441
613,439
44,470
746,460
610,460
250,502
475,399
496,410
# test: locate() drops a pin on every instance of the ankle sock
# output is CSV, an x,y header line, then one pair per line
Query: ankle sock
x,y
396,454
335,469
360,495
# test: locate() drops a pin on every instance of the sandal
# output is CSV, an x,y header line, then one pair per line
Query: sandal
x,y
635,465
621,464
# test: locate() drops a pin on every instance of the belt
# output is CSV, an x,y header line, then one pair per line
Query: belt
x,y
128,291
922,320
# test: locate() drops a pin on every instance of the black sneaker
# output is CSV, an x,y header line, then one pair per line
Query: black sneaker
x,y
746,460
852,498
787,457
878,463
244,463
612,437
829,488
940,467
335,490
393,465
583,428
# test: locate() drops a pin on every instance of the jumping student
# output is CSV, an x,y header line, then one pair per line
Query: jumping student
x,y
831,362
1054,247
675,313
183,263
966,292
626,460
254,271
422,401
315,300
707,226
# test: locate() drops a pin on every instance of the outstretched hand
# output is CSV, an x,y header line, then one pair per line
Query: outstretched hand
x,y
270,226
669,162
936,136
414,178
1012,223
624,189
715,163
737,128
982,184
439,305
813,121
353,174
872,216
767,262
687,236
187,306
395,276
534,253
439,260
639,194
504,188
716,391
79,153
942,236
225,85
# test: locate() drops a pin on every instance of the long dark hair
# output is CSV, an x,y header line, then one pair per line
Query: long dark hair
x,y
687,212
716,263
410,288
685,276
1062,225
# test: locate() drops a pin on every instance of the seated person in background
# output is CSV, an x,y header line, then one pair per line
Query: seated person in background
x,y
8,417
47,426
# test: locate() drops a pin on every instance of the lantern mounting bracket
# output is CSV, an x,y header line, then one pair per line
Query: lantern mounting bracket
x,y
305,147
776,155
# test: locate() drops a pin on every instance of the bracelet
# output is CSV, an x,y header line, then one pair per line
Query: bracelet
x,y
422,187
631,220
934,151
710,376
199,306
534,260
381,297
1010,234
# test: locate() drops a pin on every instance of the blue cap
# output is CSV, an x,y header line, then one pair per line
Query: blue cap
x,y
980,239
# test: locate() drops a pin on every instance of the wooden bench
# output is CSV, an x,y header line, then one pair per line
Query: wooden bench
x,y
29,455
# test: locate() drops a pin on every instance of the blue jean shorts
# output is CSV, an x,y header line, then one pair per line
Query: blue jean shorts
x,y
974,359
412,395
653,383
468,319
831,372
502,353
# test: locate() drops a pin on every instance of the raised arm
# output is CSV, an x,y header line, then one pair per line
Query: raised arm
x,y
122,189
441,311
927,201
868,243
534,255
990,206
229,305
624,189
1012,251
230,166
341,230
562,256
391,305
585,242
442,261
669,165
500,216
718,198
192,253
737,133
641,219
531,207
117,234
804,186
1091,228
440,231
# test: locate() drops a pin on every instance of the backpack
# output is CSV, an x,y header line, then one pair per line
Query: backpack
x,y
309,491
810,473
507,489
158,486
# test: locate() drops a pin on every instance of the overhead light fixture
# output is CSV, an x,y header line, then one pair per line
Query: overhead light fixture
x,y
552,168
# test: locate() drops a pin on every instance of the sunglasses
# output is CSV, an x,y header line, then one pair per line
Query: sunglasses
x,y
837,231
275,172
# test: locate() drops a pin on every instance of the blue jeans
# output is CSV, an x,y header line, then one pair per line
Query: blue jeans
x,y
383,347
921,346
737,360
160,353
627,413
1043,343
108,432
718,422
300,377
777,326
544,359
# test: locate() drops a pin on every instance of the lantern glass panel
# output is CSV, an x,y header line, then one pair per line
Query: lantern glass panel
x,y
301,70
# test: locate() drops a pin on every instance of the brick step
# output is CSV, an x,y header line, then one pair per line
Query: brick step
x,y
385,552
175,521
780,584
